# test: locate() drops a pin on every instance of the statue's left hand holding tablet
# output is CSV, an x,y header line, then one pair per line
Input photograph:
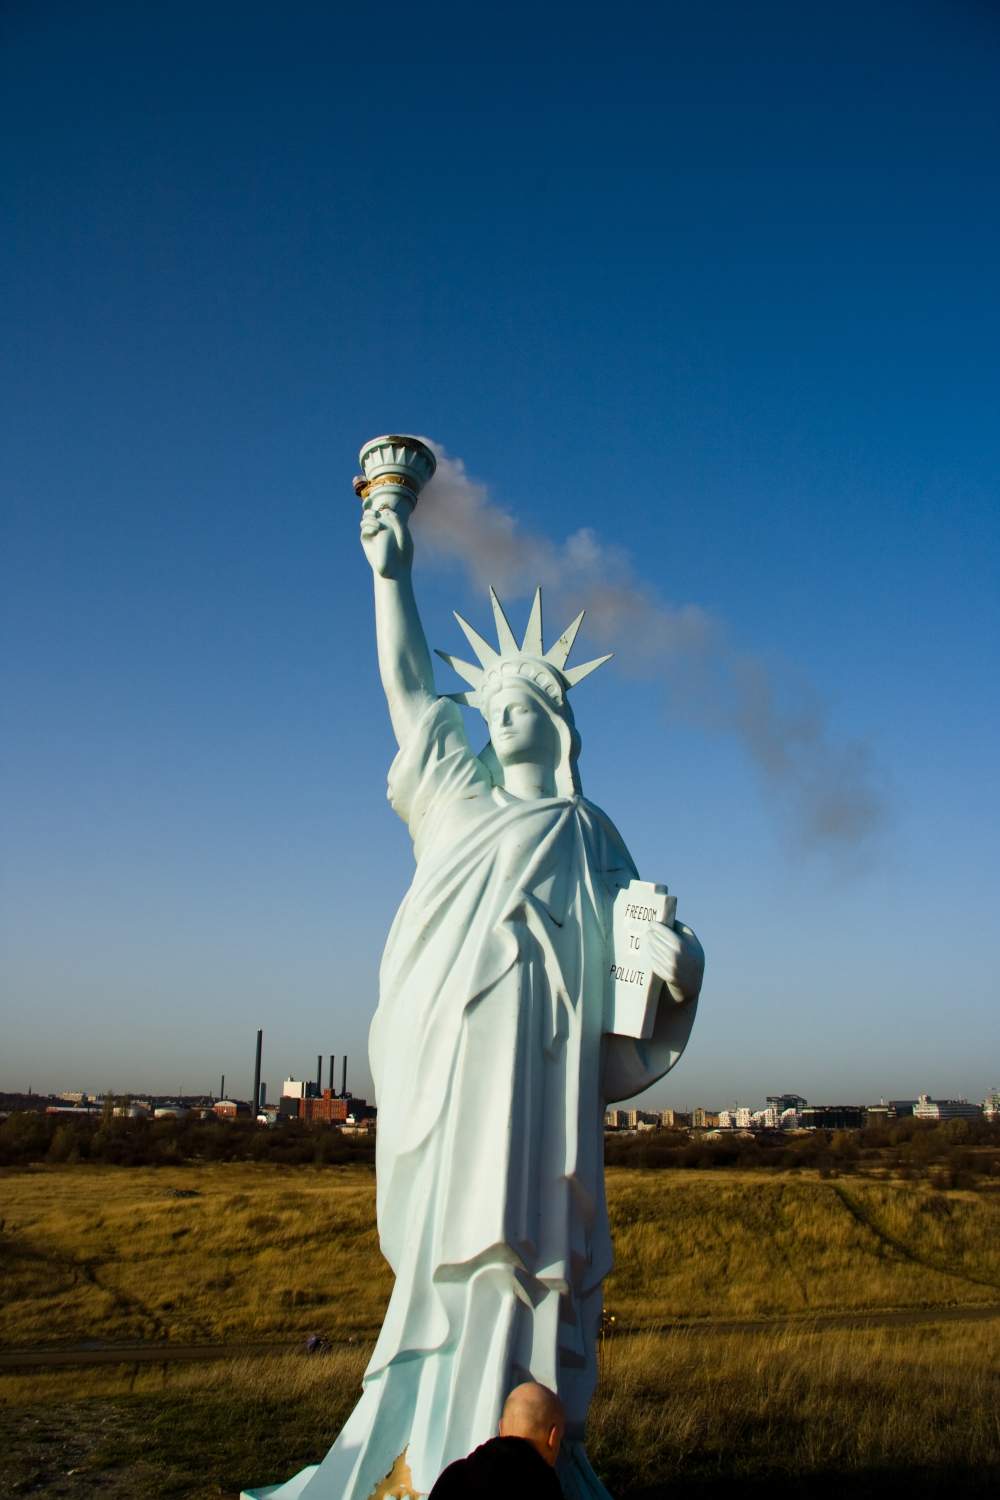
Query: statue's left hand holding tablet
x,y
676,955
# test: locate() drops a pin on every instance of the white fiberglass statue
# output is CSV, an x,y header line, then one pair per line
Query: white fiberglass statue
x,y
495,1048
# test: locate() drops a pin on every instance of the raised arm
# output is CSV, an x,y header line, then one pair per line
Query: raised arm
x,y
403,658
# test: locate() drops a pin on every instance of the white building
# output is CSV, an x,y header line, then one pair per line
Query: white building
x,y
927,1108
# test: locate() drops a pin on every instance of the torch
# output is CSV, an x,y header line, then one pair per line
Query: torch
x,y
394,470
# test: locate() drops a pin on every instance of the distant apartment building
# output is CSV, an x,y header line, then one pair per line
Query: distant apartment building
x,y
780,1103
621,1119
705,1119
927,1108
675,1119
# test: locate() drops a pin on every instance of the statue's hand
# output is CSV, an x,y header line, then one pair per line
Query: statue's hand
x,y
388,544
676,955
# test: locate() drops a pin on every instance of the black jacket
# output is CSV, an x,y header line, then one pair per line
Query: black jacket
x,y
505,1468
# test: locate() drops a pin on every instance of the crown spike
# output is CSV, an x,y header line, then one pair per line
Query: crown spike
x,y
465,669
482,648
564,645
508,645
573,675
532,643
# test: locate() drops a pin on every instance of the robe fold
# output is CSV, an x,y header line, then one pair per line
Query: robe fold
x,y
492,1073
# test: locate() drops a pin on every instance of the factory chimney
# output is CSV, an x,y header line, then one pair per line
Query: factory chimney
x,y
343,1086
256,1074
222,1087
331,1072
319,1074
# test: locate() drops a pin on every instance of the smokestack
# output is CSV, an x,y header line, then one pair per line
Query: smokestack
x,y
343,1086
222,1087
331,1072
256,1074
319,1073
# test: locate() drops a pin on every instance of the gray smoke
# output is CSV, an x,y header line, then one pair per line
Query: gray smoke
x,y
825,794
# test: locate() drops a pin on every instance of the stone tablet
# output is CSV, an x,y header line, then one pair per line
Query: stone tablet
x,y
633,990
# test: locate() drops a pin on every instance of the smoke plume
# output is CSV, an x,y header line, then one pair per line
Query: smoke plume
x,y
825,794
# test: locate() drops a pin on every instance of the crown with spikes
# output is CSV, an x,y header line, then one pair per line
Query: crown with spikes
x,y
530,662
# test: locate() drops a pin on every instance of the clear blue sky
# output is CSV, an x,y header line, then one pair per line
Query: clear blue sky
x,y
717,282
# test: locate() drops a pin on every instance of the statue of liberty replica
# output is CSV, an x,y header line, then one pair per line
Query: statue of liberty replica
x,y
529,979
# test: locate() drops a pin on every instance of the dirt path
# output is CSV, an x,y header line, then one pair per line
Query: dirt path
x,y
127,1354
905,1318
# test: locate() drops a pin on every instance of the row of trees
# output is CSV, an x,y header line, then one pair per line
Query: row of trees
x,y
952,1153
117,1139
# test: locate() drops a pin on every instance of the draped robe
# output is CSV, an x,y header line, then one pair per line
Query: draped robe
x,y
492,1072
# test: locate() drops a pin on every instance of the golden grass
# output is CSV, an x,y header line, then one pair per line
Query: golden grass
x,y
680,1407
264,1252
692,1402
261,1252
744,1245
334,1376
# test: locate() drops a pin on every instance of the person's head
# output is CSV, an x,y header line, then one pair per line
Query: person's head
x,y
535,1413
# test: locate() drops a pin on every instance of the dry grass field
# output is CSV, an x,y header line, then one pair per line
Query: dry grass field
x,y
260,1253
221,1254
738,1245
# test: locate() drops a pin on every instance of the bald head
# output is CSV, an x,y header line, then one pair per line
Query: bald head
x,y
535,1413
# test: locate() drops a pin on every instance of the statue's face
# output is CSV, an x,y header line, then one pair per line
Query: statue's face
x,y
521,730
